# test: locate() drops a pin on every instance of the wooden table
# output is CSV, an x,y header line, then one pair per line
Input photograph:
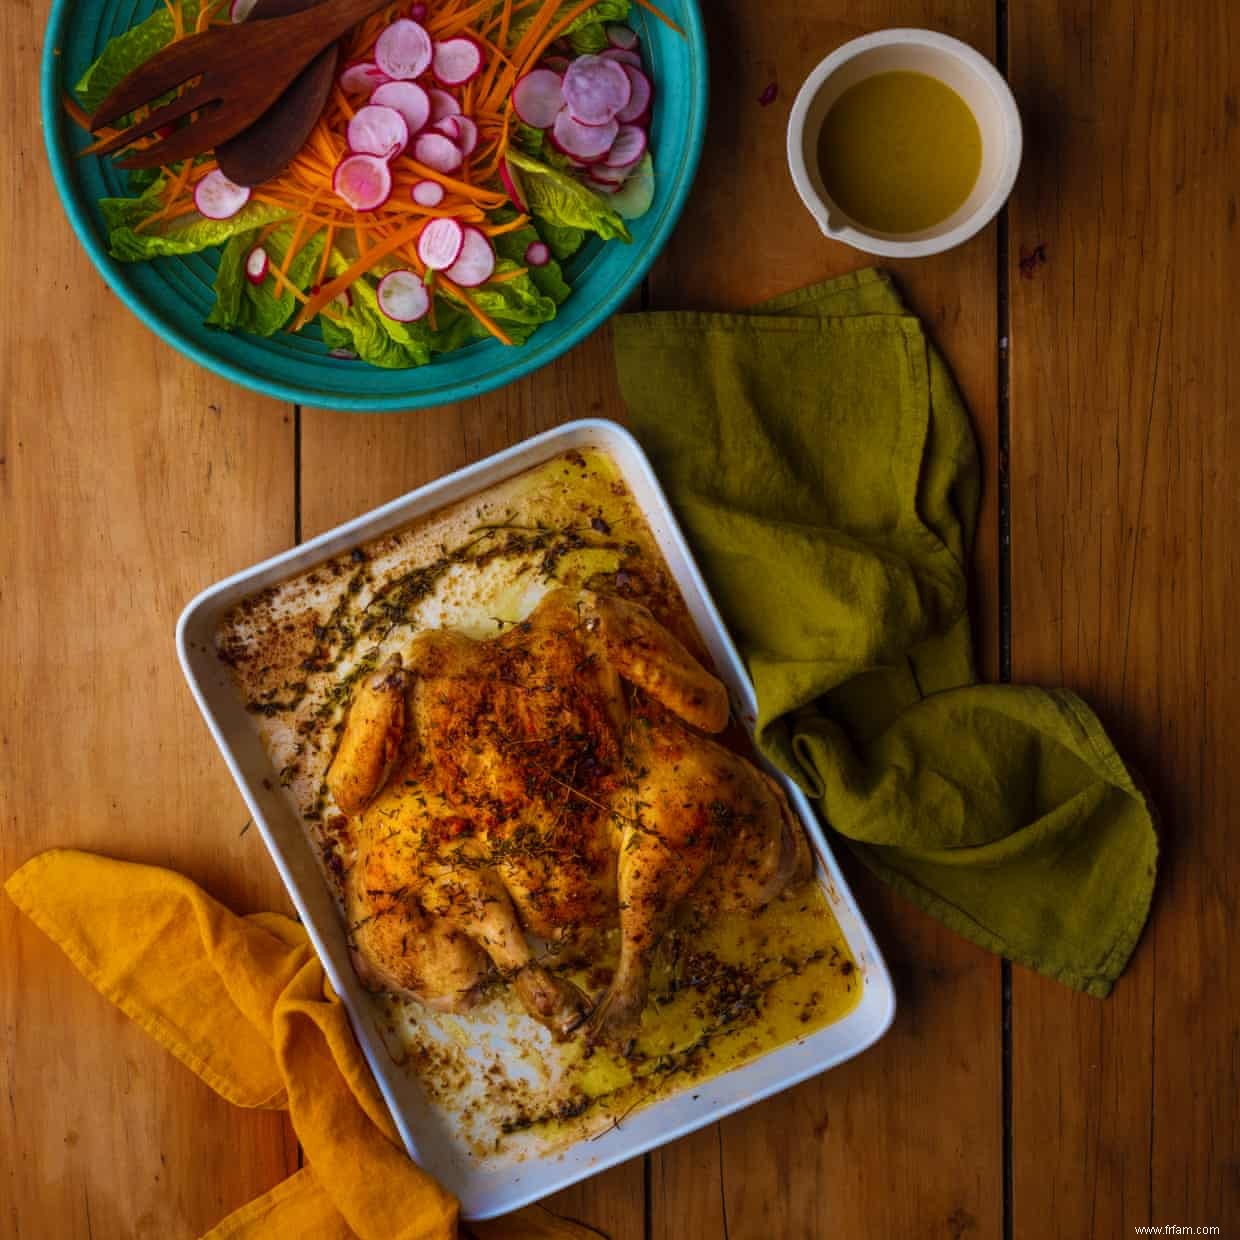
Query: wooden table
x,y
1093,332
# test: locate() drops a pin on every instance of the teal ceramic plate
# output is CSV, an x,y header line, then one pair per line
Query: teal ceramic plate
x,y
173,295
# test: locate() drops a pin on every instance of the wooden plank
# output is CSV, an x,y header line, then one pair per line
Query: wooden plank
x,y
351,463
129,479
888,1145
1124,532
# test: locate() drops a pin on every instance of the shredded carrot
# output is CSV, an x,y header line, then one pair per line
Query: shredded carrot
x,y
663,17
481,315
357,269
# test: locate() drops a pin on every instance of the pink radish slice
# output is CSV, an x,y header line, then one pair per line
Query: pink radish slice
x,y
467,135
409,99
512,183
476,263
403,296
639,100
218,198
595,89
427,193
363,181
621,57
442,104
603,187
537,254
376,130
606,175
239,10
624,37
538,98
457,61
627,149
404,50
256,265
557,64
588,143
362,78
437,152
440,244
450,127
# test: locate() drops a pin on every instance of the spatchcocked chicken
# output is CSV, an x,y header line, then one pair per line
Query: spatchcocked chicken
x,y
549,784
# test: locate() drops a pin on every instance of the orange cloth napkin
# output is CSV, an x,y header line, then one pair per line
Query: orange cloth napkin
x,y
244,1003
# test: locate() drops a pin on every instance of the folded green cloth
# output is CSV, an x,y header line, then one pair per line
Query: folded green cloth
x,y
823,466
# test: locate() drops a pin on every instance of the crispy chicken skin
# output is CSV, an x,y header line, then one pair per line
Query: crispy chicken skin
x,y
553,780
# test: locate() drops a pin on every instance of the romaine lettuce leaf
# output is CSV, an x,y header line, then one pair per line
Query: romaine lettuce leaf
x,y
589,38
562,239
127,51
187,235
562,200
259,308
548,279
604,11
519,306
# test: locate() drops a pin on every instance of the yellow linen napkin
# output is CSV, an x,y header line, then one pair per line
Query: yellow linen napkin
x,y
244,1003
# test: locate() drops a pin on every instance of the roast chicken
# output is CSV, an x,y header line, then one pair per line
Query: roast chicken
x,y
516,800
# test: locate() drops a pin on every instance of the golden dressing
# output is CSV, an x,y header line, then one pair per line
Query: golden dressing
x,y
899,152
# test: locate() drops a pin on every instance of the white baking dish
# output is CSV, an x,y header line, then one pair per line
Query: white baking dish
x,y
488,1190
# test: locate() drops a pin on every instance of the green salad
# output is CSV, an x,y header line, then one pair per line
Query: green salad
x,y
465,152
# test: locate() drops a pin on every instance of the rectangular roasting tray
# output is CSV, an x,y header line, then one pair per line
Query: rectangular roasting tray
x,y
486,1190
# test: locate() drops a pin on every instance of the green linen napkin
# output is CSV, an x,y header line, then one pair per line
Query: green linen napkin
x,y
823,466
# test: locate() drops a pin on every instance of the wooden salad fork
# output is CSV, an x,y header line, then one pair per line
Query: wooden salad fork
x,y
241,70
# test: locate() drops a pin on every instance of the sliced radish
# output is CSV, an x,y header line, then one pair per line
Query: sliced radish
x,y
404,50
512,183
428,193
256,265
588,143
476,262
537,254
538,98
467,135
409,99
557,64
403,296
239,10
442,105
603,187
621,57
457,61
636,195
376,130
624,37
363,181
440,244
596,89
437,152
450,127
601,174
627,149
639,100
362,78
218,198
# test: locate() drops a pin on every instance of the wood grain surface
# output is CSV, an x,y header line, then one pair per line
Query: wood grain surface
x,y
1126,580
129,479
